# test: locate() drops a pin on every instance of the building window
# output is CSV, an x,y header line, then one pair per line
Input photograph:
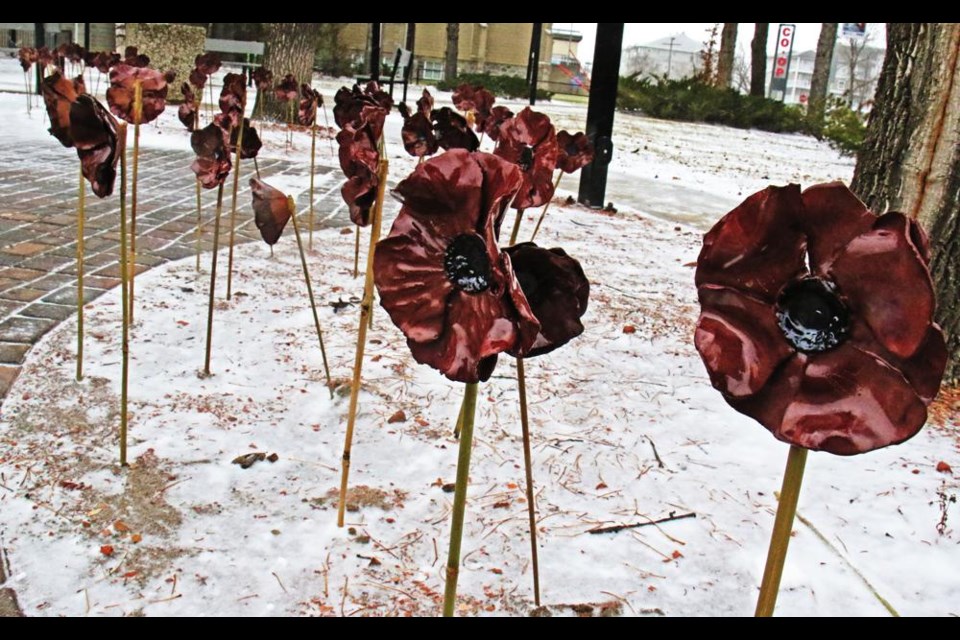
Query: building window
x,y
432,70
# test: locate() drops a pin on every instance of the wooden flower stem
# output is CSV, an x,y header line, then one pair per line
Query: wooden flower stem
x,y
313,164
528,466
196,127
81,197
313,304
326,122
460,499
26,84
366,306
356,252
782,526
516,227
137,115
233,205
124,303
213,278
545,207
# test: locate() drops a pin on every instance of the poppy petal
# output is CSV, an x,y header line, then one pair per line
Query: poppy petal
x,y
843,401
756,248
739,340
898,315
832,217
272,210
412,282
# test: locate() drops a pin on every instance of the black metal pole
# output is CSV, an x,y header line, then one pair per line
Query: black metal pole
x,y
600,111
38,41
375,51
534,66
410,44
86,36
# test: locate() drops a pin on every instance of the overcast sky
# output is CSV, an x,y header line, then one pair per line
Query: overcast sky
x,y
643,32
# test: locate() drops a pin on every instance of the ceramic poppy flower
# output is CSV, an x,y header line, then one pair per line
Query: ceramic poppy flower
x,y
233,97
72,52
452,130
556,289
27,57
80,85
104,60
207,63
440,275
492,124
58,94
187,111
575,151
476,100
272,209
816,318
251,139
418,137
198,79
286,89
310,101
263,78
45,57
212,164
529,141
133,58
349,103
425,104
360,162
94,134
120,95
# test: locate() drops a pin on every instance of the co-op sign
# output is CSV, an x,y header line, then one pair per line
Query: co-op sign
x,y
781,61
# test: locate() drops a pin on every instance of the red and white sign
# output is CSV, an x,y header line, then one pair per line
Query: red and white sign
x,y
784,47
781,61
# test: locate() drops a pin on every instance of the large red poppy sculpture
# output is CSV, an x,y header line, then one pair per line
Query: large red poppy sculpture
x,y
59,94
530,141
817,321
465,305
121,94
359,154
272,210
94,134
574,151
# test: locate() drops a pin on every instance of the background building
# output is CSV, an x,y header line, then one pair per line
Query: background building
x,y
853,74
676,56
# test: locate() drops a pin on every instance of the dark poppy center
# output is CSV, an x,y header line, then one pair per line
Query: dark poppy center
x,y
467,264
526,158
812,316
572,149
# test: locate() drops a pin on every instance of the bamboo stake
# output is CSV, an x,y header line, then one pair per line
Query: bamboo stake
x,y
26,84
81,195
782,525
313,162
365,308
356,252
528,466
213,278
196,127
545,207
313,304
516,227
199,224
460,499
137,116
233,207
326,121
125,360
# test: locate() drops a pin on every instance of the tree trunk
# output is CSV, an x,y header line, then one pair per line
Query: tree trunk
x,y
910,160
453,51
821,78
288,48
728,50
758,59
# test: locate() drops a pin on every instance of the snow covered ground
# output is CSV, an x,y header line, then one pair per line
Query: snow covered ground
x,y
626,429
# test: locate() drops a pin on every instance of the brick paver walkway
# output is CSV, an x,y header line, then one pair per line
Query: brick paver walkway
x,y
38,241
38,233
